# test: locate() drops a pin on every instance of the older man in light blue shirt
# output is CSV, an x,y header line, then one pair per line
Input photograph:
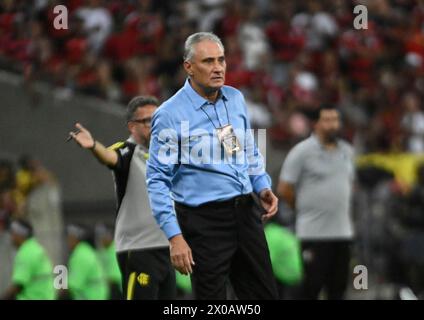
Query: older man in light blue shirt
x,y
202,156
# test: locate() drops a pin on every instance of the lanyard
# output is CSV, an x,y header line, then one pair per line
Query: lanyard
x,y
214,106
225,133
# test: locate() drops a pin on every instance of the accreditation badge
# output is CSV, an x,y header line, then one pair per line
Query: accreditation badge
x,y
228,139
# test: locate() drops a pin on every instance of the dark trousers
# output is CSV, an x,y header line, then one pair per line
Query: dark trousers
x,y
326,266
147,274
228,244
115,290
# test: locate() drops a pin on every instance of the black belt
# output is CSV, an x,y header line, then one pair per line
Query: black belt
x,y
233,202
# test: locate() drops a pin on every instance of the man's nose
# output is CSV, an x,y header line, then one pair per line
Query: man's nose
x,y
218,67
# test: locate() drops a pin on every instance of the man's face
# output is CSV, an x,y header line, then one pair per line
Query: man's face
x,y
328,124
140,124
207,66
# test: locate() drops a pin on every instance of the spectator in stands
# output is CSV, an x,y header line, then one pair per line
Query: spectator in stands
x,y
97,23
108,88
31,174
413,123
252,38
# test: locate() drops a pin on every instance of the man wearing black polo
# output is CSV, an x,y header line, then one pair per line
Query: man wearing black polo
x,y
219,234
142,249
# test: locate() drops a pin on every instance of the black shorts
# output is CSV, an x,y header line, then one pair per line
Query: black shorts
x,y
147,274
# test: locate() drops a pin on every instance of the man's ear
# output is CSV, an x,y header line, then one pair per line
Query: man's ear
x,y
187,68
130,126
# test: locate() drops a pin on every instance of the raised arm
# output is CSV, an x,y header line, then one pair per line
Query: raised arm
x,y
84,138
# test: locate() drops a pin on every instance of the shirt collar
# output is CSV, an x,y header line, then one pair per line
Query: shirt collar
x,y
142,148
197,100
131,140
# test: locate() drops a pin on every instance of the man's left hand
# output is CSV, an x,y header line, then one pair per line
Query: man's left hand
x,y
269,202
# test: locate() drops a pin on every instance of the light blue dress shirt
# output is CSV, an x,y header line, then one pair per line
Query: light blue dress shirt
x,y
186,161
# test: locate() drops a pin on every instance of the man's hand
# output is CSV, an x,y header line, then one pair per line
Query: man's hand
x,y
270,203
181,256
82,137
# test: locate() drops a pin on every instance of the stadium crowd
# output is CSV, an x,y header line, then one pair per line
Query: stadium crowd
x,y
287,57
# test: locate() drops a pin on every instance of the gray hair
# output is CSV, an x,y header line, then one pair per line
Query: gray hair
x,y
196,38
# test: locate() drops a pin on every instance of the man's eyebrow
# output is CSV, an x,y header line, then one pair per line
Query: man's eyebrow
x,y
212,58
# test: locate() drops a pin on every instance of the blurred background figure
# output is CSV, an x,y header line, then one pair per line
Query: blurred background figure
x,y
97,23
87,280
29,191
184,289
32,277
286,259
413,123
107,256
11,203
316,181
31,173
40,194
405,249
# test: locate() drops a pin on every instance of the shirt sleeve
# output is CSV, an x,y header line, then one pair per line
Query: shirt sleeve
x,y
290,172
259,179
22,269
78,270
124,152
161,167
